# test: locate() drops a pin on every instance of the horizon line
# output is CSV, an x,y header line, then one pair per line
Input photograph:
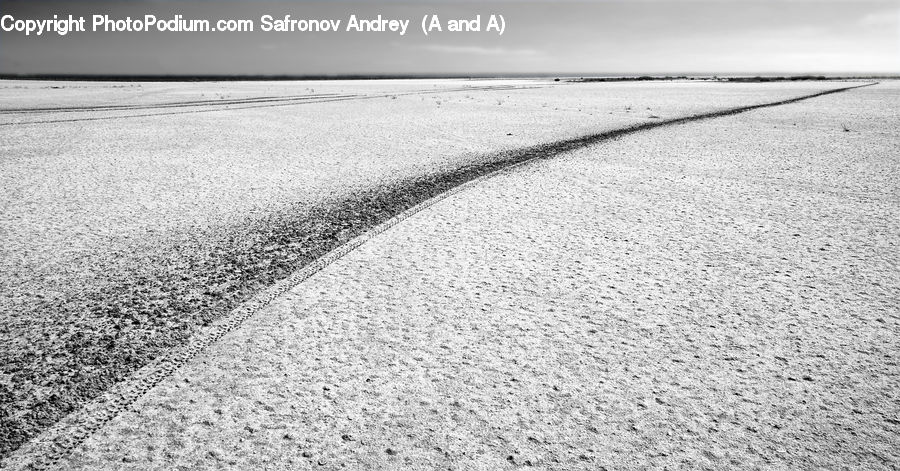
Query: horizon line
x,y
562,76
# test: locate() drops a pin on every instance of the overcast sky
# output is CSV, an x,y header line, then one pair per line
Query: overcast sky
x,y
551,37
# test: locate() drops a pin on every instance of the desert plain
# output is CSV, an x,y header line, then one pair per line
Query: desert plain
x,y
687,293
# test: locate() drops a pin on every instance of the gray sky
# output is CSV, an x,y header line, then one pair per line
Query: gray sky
x,y
555,37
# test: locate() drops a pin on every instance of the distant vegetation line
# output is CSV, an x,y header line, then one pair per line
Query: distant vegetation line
x,y
566,77
742,79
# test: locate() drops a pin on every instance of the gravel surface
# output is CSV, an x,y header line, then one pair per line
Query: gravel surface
x,y
123,232
719,294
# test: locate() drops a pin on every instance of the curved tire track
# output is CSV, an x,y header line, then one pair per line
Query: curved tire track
x,y
59,440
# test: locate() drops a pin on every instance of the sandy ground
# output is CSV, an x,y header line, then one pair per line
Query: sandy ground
x,y
131,215
720,294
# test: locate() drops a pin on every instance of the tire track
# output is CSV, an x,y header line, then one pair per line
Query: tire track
x,y
179,104
249,105
408,199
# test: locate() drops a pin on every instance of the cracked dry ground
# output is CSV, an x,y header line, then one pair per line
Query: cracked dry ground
x,y
124,230
719,294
